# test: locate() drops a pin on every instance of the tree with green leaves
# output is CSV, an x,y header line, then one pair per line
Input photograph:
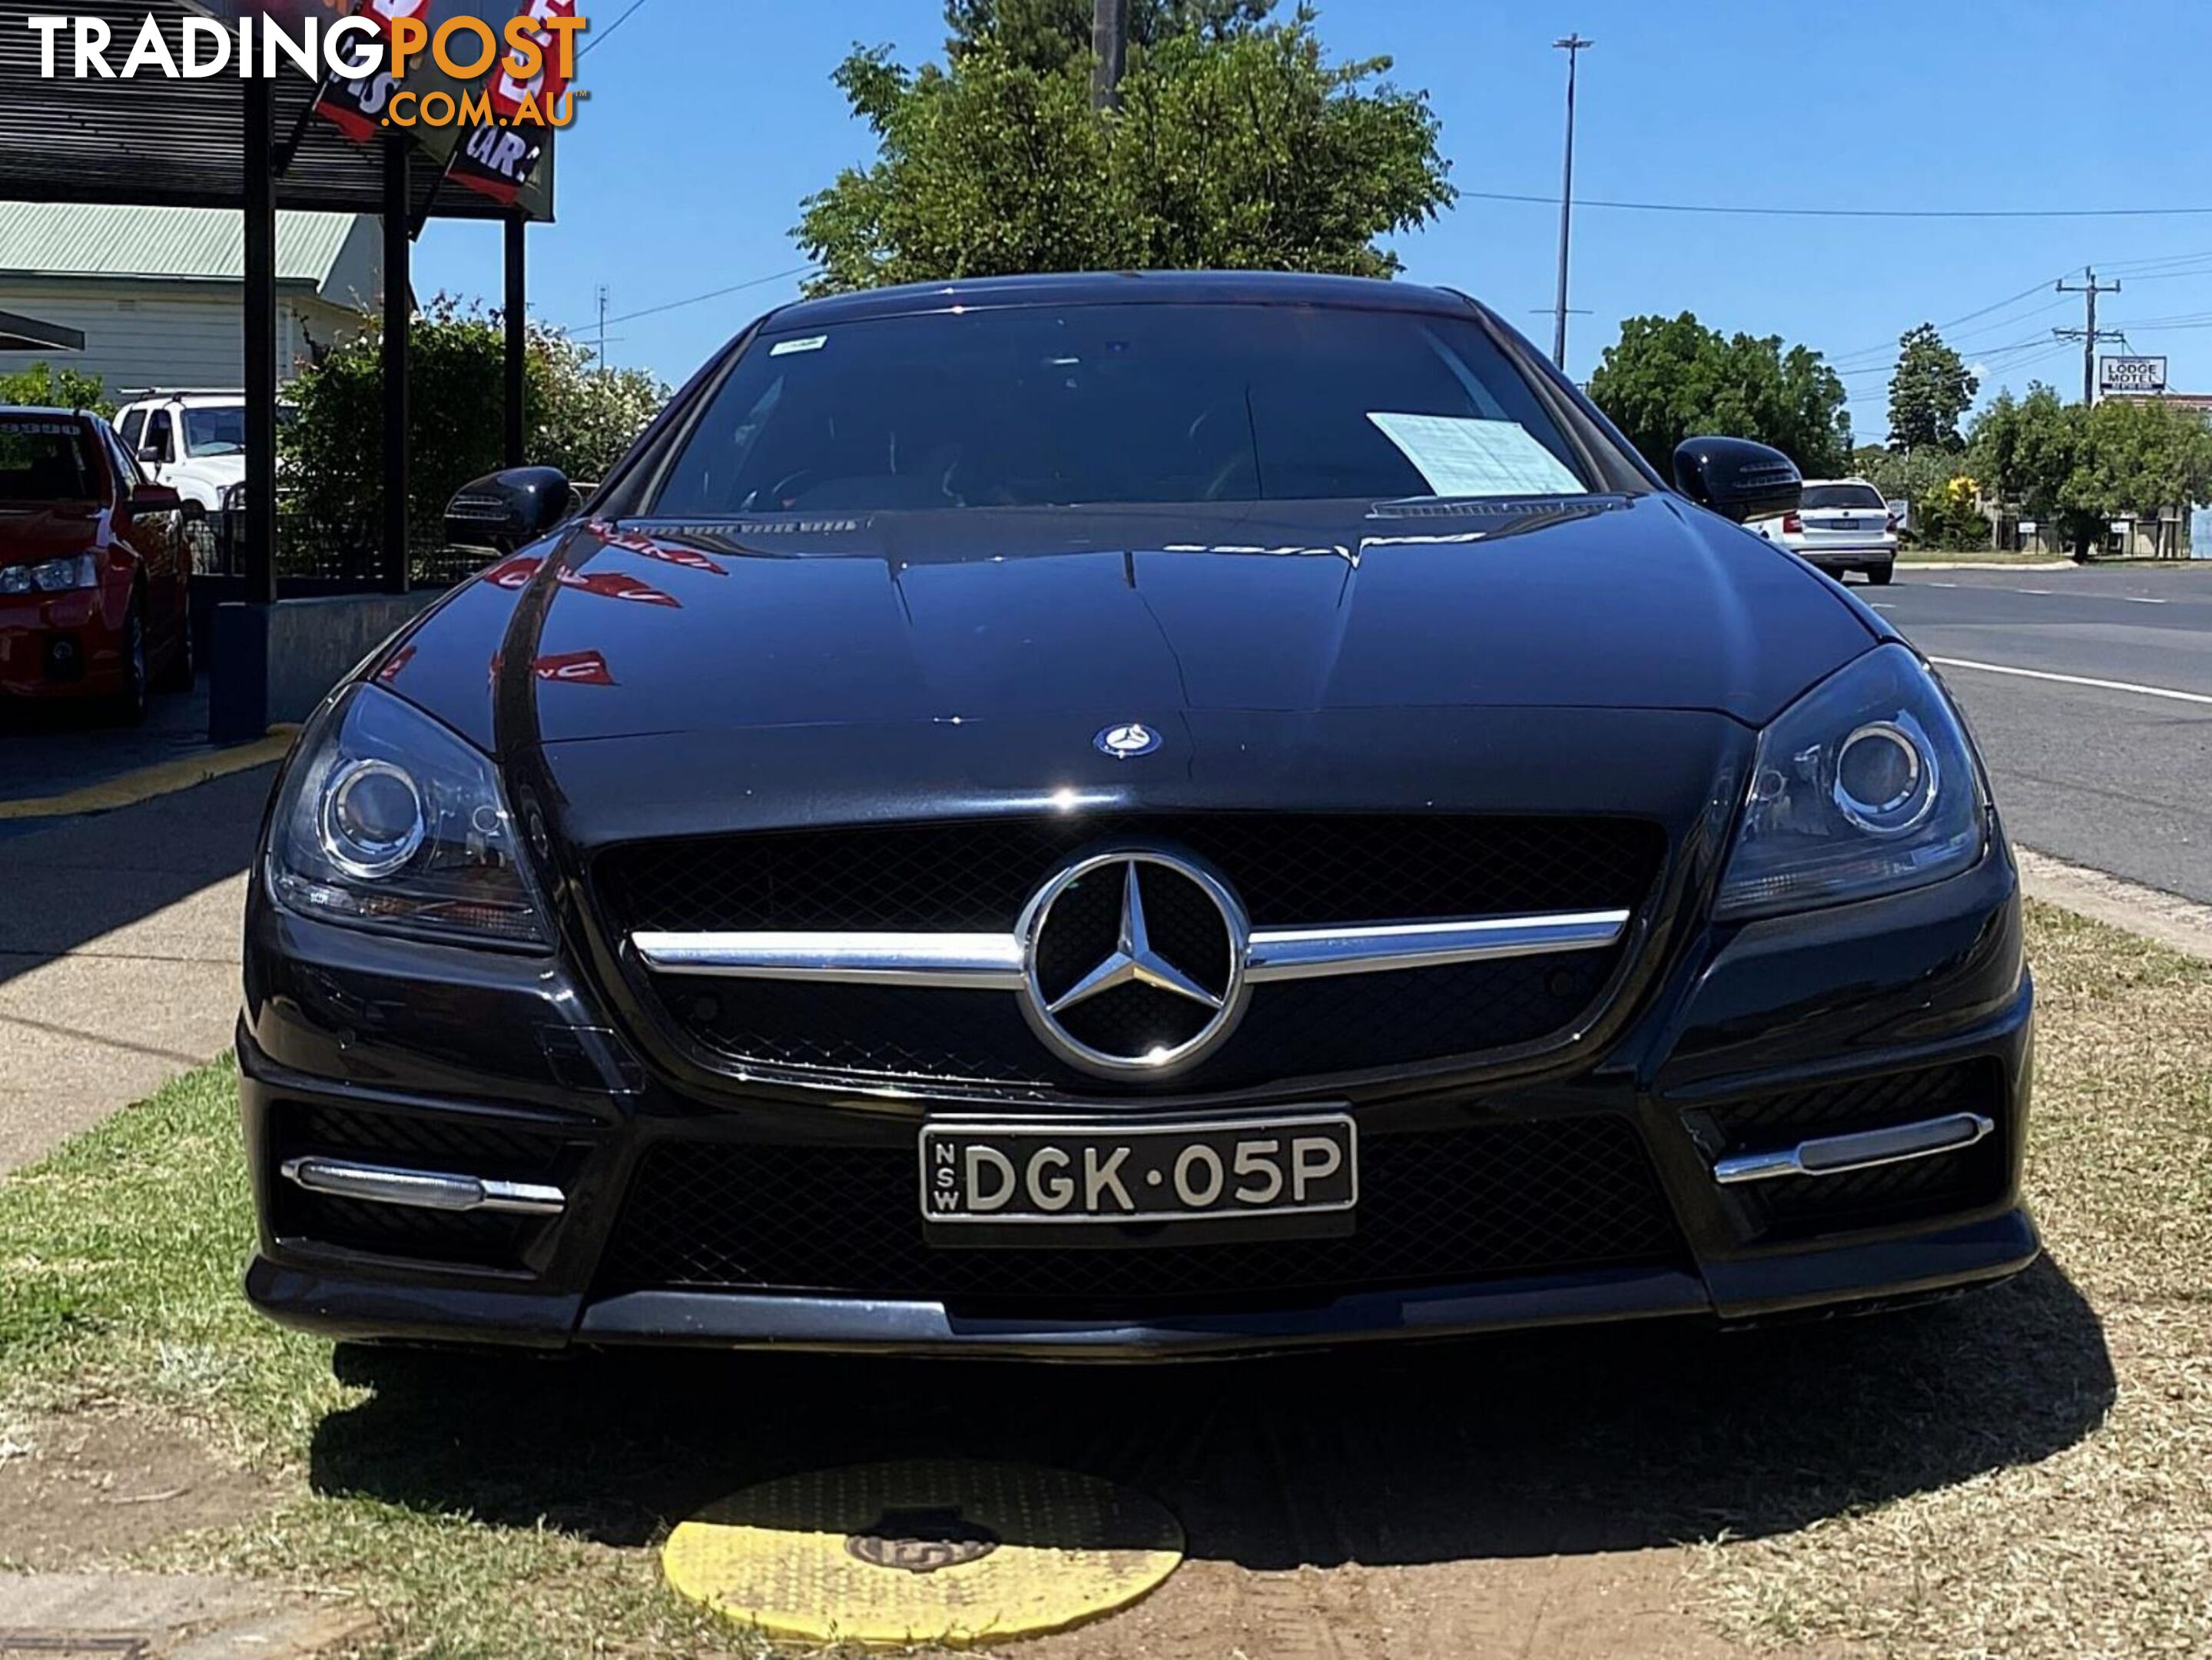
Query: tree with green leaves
x,y
579,416
1671,377
1239,143
43,386
1047,36
2139,457
2027,451
1928,394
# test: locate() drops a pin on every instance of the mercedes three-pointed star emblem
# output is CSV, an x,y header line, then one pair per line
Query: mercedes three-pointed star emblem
x,y
1211,980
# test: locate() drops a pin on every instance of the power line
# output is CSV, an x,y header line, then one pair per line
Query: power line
x,y
1852,213
607,33
701,299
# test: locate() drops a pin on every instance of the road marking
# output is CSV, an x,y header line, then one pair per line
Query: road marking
x,y
1877,605
165,778
2076,680
1942,585
2046,592
2140,599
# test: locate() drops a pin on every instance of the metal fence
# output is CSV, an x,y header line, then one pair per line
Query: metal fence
x,y
346,554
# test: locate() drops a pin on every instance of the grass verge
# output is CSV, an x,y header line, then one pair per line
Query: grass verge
x,y
2027,1472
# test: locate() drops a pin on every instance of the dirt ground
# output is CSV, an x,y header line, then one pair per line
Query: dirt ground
x,y
99,1487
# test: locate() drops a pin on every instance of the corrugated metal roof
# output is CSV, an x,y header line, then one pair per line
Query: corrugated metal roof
x,y
75,239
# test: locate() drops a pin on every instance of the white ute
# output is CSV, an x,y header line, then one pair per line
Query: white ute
x,y
194,443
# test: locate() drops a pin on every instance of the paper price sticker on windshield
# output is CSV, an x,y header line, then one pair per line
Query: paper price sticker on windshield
x,y
1461,456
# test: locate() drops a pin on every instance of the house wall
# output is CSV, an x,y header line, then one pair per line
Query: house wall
x,y
140,333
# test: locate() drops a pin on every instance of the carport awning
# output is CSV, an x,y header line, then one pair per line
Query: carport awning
x,y
28,334
157,143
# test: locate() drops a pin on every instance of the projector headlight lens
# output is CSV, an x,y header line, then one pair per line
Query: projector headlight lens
x,y
1865,786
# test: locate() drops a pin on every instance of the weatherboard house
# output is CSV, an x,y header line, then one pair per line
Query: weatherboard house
x,y
156,292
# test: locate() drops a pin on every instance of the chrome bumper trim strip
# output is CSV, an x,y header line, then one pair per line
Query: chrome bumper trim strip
x,y
381,1184
1379,948
990,962
994,962
1836,1155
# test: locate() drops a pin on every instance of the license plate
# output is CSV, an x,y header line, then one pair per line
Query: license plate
x,y
1069,1170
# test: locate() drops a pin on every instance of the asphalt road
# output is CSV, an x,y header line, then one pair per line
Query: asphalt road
x,y
2116,777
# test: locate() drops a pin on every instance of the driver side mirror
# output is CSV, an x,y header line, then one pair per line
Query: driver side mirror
x,y
149,499
1737,478
508,509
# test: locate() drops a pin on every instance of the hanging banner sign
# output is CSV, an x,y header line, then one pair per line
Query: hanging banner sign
x,y
358,108
499,157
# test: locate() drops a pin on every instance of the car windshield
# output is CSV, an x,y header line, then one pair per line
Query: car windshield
x,y
43,460
215,429
1119,404
1842,495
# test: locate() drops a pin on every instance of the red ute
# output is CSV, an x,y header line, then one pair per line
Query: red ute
x,y
94,571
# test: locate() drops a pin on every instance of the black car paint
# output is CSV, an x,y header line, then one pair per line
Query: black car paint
x,y
1615,655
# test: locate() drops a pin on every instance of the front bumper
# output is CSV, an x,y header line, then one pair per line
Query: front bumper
x,y
60,646
466,1057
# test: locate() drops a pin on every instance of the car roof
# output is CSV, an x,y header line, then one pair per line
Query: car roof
x,y
45,413
190,396
1261,287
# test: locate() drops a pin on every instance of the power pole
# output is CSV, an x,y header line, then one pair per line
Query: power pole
x,y
2089,334
1573,45
604,293
1109,50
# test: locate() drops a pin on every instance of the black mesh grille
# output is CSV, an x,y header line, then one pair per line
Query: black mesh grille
x,y
1293,1028
1291,869
1888,1193
1435,1208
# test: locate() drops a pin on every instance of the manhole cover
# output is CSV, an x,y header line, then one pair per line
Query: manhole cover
x,y
933,1551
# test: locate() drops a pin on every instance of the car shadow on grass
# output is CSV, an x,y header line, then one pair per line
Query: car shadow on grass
x,y
1533,1444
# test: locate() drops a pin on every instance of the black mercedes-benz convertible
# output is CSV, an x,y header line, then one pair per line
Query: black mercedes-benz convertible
x,y
1131,815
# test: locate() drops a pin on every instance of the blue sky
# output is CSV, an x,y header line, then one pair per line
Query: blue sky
x,y
709,119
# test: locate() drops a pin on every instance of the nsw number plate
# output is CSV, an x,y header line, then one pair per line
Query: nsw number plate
x,y
1108,1171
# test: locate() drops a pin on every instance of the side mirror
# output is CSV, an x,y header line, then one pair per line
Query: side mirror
x,y
151,499
1737,478
509,508
154,450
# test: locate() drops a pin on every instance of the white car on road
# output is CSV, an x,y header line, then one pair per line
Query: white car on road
x,y
1841,525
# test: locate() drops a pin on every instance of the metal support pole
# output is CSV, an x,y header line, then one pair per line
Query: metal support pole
x,y
260,341
399,299
1110,47
518,339
1573,45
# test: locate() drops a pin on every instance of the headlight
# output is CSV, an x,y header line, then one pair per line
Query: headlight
x,y
55,576
1865,786
390,821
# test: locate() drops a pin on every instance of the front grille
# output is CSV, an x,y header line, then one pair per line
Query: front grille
x,y
1435,1208
1795,1206
475,1239
1293,1028
1290,870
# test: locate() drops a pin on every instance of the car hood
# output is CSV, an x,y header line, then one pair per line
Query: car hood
x,y
32,535
1139,615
